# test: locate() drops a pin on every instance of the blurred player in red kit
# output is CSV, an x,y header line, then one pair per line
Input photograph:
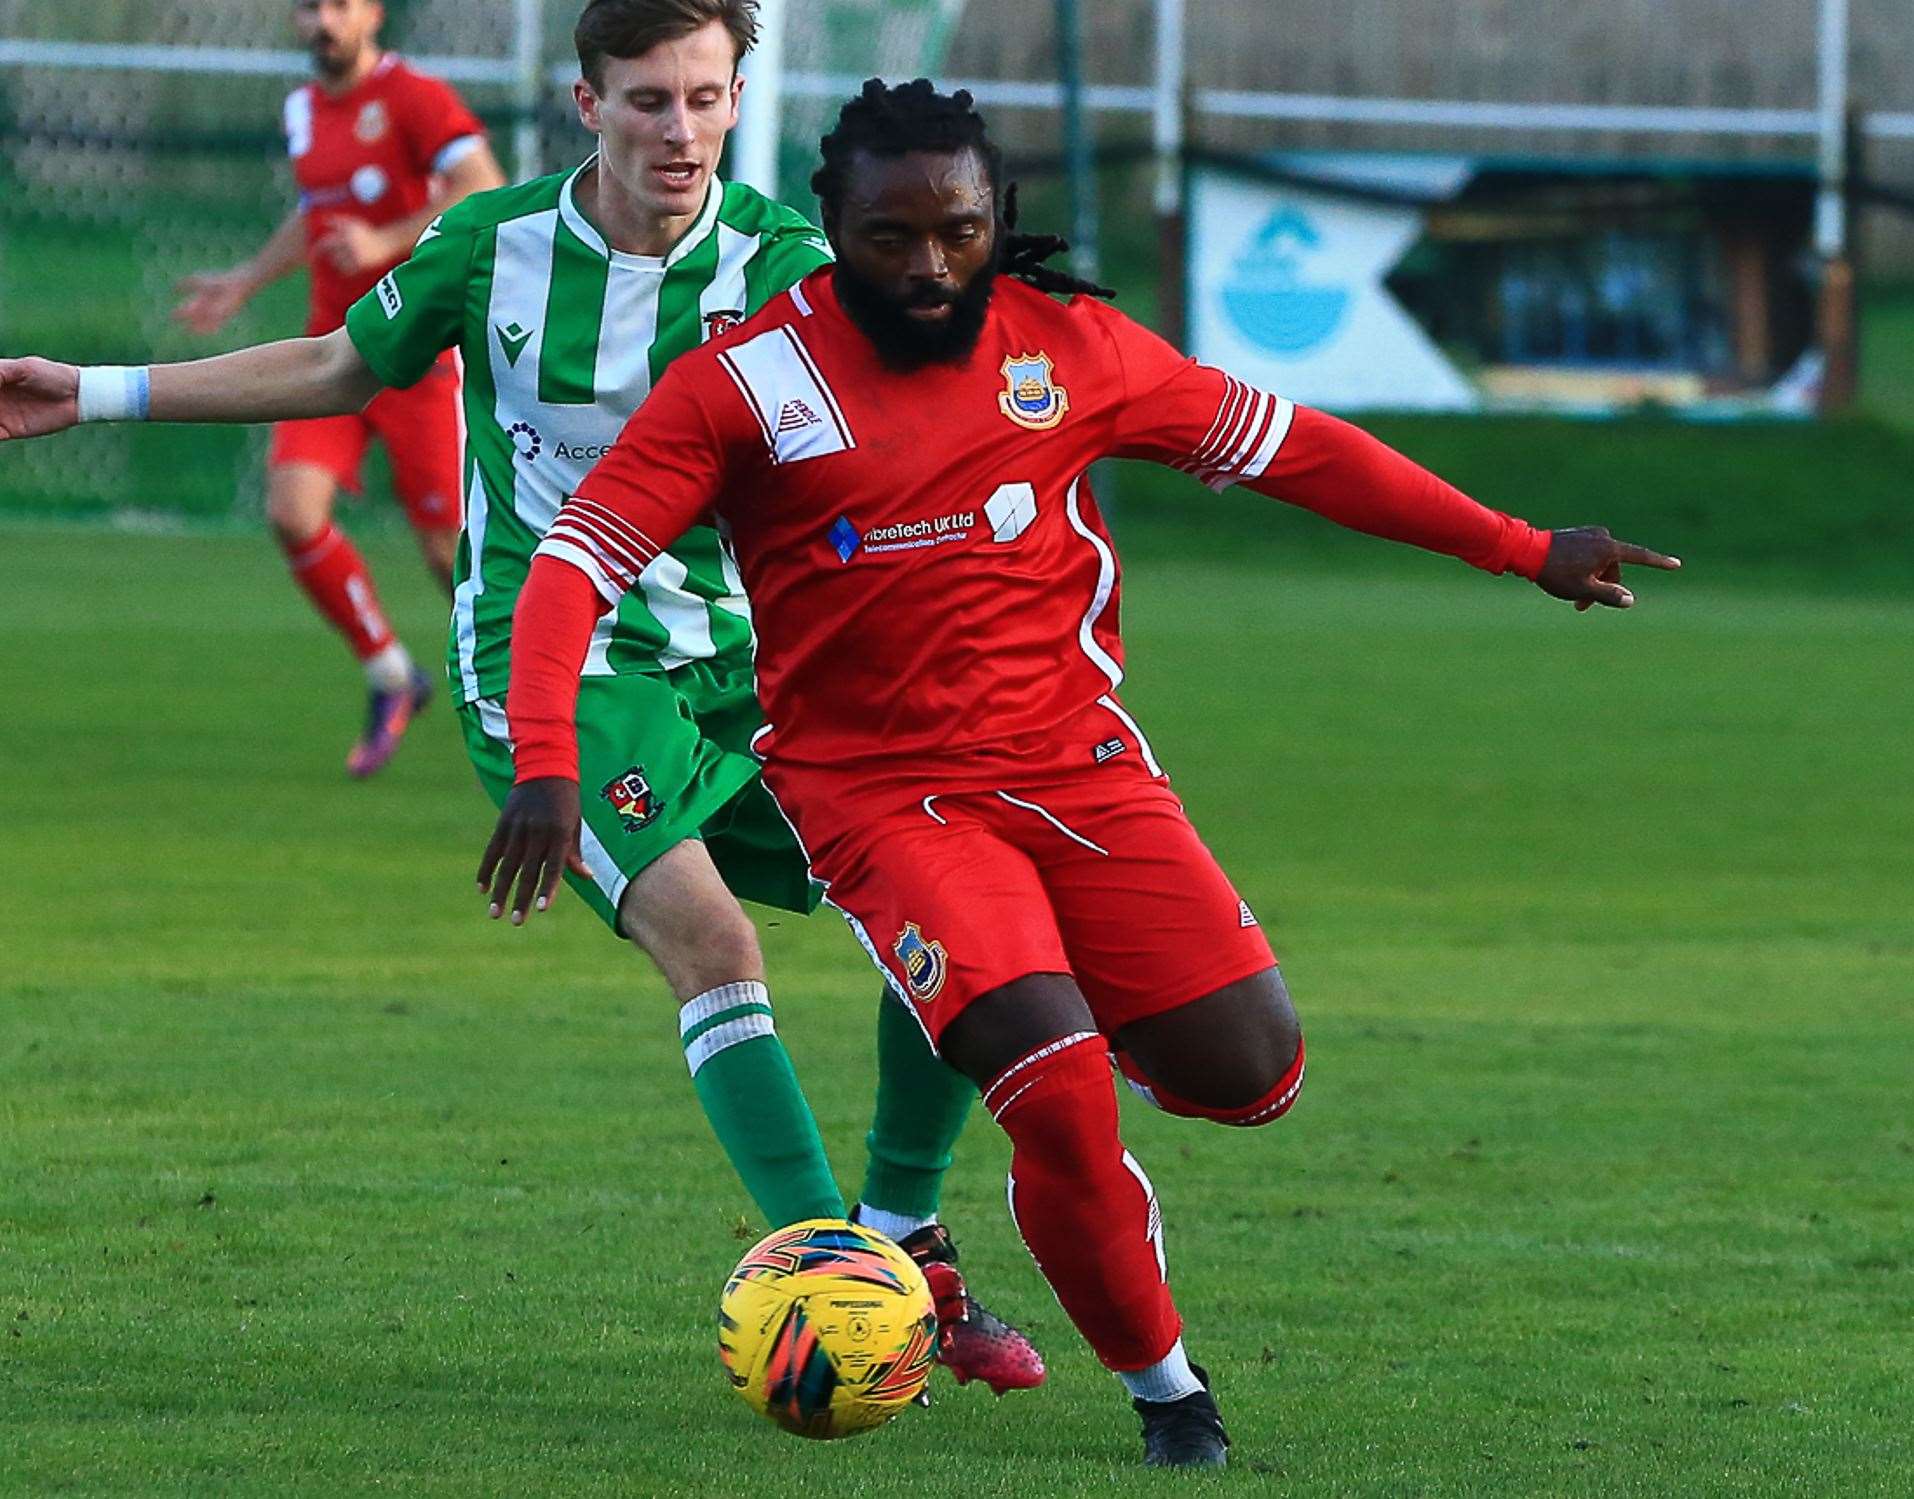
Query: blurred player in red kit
x,y
898,448
378,151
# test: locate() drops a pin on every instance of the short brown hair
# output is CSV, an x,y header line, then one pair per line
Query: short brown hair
x,y
631,28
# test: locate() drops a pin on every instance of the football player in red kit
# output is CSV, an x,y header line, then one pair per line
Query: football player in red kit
x,y
899,448
378,151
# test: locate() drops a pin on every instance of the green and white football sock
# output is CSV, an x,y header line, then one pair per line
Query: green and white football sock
x,y
921,1109
750,1094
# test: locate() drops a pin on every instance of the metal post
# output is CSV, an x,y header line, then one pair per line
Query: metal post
x,y
1167,122
528,85
1839,343
1078,150
1831,107
756,154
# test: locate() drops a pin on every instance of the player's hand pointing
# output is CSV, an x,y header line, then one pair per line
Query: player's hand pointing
x,y
37,396
1585,566
535,841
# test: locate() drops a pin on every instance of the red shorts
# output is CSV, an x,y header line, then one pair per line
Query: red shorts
x,y
423,430
1097,874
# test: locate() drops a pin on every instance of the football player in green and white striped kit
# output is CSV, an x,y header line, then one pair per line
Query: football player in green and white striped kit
x,y
567,296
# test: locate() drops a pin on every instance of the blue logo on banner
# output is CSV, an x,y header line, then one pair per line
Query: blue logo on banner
x,y
844,539
1267,297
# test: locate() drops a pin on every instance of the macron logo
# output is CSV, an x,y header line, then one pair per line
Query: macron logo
x,y
795,416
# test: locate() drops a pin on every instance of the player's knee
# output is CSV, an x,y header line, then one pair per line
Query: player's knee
x,y
1234,1055
1269,1098
700,946
294,516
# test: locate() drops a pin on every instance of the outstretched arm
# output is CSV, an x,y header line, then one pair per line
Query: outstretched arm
x,y
266,383
1223,431
1341,472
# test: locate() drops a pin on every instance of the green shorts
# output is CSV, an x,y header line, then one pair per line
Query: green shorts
x,y
662,759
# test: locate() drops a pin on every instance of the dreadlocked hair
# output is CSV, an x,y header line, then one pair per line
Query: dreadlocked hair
x,y
889,122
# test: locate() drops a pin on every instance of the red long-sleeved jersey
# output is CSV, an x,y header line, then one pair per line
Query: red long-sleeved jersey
x,y
932,585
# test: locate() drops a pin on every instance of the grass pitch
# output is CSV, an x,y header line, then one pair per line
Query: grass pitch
x,y
1600,928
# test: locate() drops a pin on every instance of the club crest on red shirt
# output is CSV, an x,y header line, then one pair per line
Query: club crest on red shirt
x,y
632,798
1030,397
925,966
371,122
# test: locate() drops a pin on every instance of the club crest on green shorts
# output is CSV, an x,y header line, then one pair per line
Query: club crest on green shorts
x,y
632,798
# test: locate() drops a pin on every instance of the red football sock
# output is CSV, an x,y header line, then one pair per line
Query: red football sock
x,y
1081,1202
334,577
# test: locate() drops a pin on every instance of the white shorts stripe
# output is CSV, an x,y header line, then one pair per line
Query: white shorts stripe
x,y
890,979
492,719
605,873
1048,816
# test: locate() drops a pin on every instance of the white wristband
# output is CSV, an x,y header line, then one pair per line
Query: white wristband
x,y
114,392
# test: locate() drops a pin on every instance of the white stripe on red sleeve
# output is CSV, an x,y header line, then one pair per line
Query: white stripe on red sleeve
x,y
1235,397
1243,441
1265,455
1252,432
618,527
1222,410
602,543
589,530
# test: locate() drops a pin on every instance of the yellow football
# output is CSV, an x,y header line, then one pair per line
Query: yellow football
x,y
827,1329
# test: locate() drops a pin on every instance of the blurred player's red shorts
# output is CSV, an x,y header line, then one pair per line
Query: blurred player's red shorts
x,y
423,431
1096,873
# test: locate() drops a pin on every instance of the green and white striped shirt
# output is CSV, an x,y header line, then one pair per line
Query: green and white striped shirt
x,y
562,339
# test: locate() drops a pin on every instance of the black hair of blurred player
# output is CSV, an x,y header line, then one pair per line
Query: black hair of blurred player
x,y
913,199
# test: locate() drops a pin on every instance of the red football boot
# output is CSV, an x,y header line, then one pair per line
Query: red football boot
x,y
973,1341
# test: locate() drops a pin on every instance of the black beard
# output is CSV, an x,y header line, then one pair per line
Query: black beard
x,y
901,341
322,60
